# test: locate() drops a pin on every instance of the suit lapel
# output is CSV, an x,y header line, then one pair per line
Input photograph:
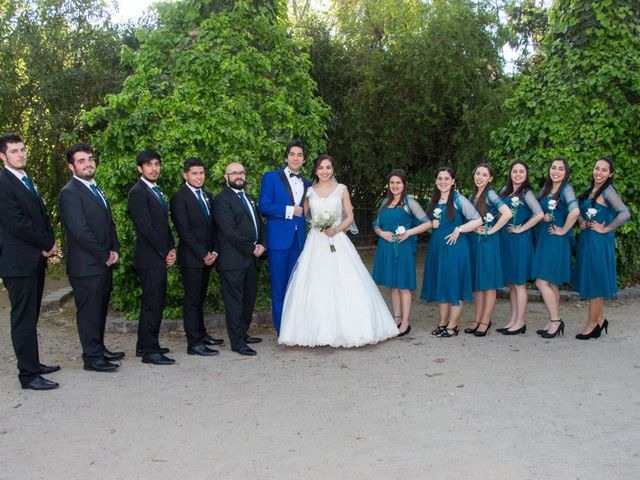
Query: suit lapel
x,y
150,192
287,186
89,194
30,200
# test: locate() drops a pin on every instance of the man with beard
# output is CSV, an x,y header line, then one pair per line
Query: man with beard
x,y
92,251
26,241
191,215
154,253
240,246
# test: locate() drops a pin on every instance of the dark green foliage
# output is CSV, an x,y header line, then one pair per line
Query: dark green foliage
x,y
581,102
220,82
411,84
59,58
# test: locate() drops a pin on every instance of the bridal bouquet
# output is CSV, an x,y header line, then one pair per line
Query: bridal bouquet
x,y
325,221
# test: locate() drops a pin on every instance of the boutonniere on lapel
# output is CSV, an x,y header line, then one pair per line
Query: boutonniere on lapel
x,y
206,199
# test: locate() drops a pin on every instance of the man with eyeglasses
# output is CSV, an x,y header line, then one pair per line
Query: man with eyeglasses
x,y
240,245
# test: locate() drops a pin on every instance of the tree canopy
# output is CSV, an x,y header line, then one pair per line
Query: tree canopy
x,y
222,81
581,101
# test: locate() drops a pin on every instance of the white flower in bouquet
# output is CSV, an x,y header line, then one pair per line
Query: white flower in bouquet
x,y
552,204
515,203
324,221
591,212
400,230
436,213
488,218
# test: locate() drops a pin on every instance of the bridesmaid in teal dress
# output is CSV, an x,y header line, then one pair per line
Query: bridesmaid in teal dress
x,y
517,243
595,276
399,220
484,243
447,271
552,258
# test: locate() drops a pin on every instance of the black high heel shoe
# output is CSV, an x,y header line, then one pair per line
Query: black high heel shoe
x,y
438,330
478,333
471,329
559,330
540,331
522,329
449,332
595,333
402,334
605,327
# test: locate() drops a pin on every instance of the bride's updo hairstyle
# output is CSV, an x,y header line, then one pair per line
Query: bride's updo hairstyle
x,y
317,163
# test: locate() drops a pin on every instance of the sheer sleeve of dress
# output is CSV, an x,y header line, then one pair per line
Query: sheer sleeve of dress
x,y
532,203
417,211
376,221
353,228
494,200
614,201
569,197
468,210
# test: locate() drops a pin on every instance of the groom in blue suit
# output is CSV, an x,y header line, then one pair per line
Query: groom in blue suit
x,y
281,201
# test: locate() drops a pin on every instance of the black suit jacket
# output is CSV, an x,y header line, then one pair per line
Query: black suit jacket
x,y
196,233
236,232
151,221
88,228
25,229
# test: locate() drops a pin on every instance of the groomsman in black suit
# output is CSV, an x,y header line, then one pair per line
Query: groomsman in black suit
x,y
191,214
92,250
26,241
154,253
240,245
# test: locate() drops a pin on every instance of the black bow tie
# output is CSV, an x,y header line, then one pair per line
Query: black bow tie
x,y
291,174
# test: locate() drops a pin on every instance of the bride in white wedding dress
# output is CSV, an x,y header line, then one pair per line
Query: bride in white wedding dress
x,y
331,298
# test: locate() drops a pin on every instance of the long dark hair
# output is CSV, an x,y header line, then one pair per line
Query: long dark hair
x,y
548,183
524,188
481,203
317,163
608,181
402,175
435,196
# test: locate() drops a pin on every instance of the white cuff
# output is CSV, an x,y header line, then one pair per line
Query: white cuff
x,y
288,213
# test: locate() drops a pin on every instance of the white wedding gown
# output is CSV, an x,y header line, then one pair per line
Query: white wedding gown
x,y
331,298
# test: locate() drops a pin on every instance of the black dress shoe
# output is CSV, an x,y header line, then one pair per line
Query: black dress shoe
x,y
522,329
157,359
111,356
101,365
40,383
46,369
159,350
246,351
212,341
249,339
202,350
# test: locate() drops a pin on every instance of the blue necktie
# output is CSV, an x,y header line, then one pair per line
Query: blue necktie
x,y
202,204
158,193
30,186
246,206
96,192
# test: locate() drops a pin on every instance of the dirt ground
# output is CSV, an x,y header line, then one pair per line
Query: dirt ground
x,y
419,407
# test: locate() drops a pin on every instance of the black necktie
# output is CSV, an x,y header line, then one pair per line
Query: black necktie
x,y
203,205
97,193
297,175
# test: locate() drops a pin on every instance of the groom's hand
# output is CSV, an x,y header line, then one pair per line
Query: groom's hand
x,y
258,250
298,211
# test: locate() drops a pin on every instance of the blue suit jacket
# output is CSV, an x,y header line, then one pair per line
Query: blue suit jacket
x,y
275,196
